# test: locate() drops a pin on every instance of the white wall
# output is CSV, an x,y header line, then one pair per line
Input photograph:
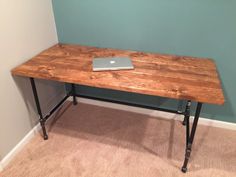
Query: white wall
x,y
26,28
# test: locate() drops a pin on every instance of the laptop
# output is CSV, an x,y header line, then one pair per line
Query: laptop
x,y
112,63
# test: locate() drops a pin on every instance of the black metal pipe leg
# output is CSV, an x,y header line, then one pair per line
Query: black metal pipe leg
x,y
187,112
73,92
41,119
42,123
186,120
187,131
191,137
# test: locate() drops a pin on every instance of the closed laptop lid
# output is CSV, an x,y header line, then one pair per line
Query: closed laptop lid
x,y
112,63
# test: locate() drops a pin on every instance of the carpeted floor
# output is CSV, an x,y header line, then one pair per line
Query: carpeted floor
x,y
92,141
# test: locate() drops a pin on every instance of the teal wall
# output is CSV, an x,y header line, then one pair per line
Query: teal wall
x,y
202,28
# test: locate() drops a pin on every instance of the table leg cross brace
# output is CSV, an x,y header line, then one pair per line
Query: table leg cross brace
x,y
189,137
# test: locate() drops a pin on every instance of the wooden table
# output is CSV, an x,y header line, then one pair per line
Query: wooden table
x,y
170,76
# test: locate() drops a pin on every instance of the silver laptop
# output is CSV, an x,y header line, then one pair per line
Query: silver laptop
x,y
114,63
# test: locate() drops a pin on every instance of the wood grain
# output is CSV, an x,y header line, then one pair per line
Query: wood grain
x,y
171,76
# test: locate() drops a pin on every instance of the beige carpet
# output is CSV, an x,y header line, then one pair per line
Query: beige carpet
x,y
92,141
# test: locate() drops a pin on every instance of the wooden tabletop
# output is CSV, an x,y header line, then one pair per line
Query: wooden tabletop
x,y
169,76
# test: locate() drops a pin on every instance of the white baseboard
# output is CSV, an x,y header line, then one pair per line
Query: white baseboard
x,y
160,114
